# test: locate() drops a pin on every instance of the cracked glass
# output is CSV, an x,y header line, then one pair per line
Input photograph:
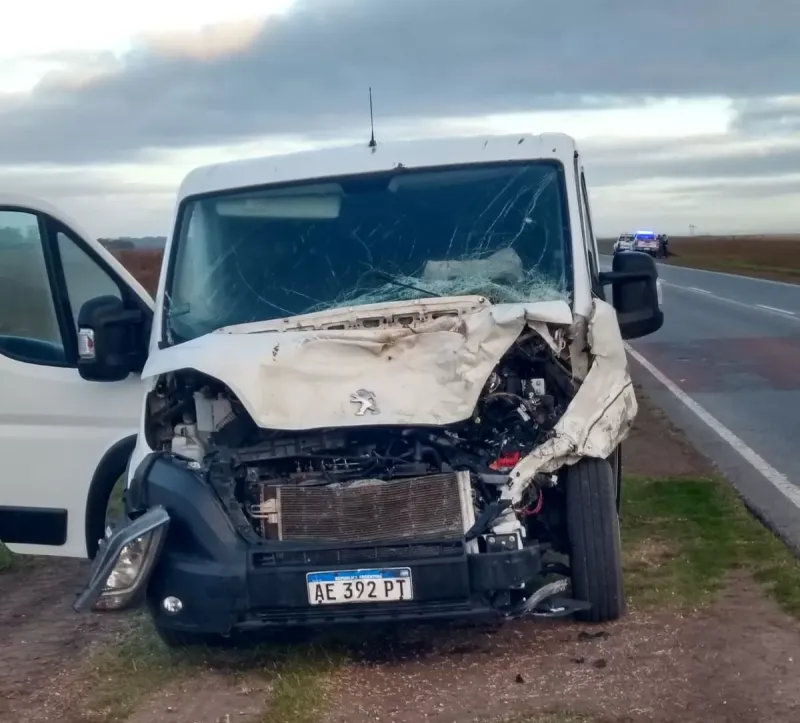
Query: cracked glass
x,y
496,230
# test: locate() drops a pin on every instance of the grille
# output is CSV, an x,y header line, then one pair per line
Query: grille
x,y
418,508
359,555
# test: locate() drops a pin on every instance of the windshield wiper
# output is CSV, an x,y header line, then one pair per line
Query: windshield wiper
x,y
396,282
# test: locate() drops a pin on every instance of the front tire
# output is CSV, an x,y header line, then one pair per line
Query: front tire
x,y
594,540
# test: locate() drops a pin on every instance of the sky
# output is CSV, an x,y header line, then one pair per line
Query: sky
x,y
686,112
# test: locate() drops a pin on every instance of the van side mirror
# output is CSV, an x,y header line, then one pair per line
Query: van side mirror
x,y
112,340
635,293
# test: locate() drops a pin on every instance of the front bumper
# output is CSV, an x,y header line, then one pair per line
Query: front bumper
x,y
227,583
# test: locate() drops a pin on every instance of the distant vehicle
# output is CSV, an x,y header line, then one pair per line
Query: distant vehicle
x,y
624,242
650,242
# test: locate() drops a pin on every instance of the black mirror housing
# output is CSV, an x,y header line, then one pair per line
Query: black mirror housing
x,y
111,340
633,278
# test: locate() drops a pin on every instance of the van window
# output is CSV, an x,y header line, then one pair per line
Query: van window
x,y
591,241
29,329
84,277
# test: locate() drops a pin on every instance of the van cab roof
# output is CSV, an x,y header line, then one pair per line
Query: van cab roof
x,y
347,160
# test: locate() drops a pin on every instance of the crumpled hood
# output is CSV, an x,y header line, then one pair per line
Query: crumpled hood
x,y
300,373
600,415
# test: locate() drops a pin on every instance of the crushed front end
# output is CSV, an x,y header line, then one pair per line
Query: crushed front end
x,y
373,519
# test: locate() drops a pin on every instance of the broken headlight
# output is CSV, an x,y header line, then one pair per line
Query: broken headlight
x,y
131,566
124,563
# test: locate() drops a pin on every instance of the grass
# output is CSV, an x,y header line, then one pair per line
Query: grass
x,y
8,560
734,265
682,539
140,666
771,257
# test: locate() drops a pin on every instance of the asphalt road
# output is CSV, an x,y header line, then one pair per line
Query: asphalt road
x,y
726,368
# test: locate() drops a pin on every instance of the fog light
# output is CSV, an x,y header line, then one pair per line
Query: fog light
x,y
172,605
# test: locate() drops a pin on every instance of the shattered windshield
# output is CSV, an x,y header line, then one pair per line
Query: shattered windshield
x,y
496,230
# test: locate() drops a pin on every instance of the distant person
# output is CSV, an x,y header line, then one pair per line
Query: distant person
x,y
663,240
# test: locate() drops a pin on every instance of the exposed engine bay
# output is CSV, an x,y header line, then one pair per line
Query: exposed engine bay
x,y
371,482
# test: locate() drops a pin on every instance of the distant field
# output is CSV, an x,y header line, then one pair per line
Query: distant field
x,y
769,257
28,309
144,264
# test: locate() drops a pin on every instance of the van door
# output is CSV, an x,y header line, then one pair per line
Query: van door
x,y
64,441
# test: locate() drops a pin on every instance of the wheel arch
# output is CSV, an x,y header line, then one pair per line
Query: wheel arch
x,y
110,468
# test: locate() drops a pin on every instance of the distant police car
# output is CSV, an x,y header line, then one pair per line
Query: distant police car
x,y
650,242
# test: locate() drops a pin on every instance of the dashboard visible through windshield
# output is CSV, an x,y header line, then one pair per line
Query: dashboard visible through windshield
x,y
498,230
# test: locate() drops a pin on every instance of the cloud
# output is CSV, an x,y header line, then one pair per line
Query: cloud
x,y
104,200
720,186
719,159
768,116
306,72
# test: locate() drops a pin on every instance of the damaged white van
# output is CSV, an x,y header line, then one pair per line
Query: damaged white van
x,y
376,384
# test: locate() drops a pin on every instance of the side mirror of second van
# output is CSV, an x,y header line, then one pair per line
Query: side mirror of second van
x,y
112,340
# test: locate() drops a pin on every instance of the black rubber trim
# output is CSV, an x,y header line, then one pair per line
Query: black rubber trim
x,y
112,466
33,526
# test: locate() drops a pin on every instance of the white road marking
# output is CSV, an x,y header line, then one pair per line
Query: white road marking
x,y
730,276
775,308
753,307
678,269
777,479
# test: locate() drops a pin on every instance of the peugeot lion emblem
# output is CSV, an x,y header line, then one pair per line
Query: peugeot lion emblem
x,y
366,402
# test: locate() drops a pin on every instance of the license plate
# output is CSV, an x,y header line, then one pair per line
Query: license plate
x,y
359,586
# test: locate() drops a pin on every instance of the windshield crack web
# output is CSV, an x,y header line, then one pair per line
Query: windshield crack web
x,y
491,230
485,269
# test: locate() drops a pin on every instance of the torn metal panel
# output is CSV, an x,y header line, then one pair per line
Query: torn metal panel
x,y
429,370
601,413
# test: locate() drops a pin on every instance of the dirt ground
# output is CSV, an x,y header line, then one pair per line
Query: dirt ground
x,y
43,642
774,257
737,660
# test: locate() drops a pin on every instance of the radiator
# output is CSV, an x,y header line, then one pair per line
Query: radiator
x,y
431,507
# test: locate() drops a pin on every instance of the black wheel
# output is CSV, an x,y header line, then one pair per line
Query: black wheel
x,y
594,541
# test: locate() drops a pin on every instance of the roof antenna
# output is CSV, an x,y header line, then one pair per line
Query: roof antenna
x,y
372,144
